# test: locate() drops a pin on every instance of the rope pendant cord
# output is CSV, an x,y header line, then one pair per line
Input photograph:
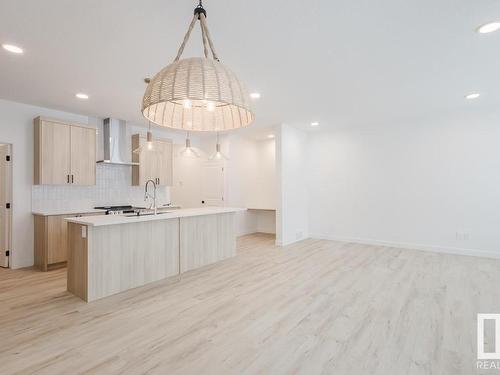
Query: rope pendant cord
x,y
186,38
205,36
212,48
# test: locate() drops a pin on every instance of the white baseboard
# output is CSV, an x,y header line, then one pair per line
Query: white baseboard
x,y
21,263
412,246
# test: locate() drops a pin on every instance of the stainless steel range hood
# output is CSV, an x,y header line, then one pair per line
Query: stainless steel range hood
x,y
116,147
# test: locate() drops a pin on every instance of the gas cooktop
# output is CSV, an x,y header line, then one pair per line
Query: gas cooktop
x,y
117,210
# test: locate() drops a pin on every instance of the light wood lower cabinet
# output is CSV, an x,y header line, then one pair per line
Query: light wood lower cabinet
x,y
51,241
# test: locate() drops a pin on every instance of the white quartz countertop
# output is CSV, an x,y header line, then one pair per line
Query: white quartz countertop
x,y
66,211
97,221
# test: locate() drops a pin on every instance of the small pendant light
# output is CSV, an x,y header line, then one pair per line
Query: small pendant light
x,y
188,151
218,155
149,141
149,138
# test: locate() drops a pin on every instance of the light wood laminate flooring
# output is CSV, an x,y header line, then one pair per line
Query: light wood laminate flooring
x,y
314,307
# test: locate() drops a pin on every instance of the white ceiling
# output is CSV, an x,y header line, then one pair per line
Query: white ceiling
x,y
343,63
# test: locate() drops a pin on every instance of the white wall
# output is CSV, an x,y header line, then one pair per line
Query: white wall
x,y
251,182
293,206
431,185
250,179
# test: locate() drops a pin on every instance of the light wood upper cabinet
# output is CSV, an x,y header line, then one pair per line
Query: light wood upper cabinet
x,y
165,165
83,155
154,164
64,153
52,152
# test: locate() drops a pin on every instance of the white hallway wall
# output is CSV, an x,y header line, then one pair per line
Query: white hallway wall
x,y
414,185
251,181
292,221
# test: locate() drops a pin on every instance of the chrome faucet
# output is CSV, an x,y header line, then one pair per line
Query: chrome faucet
x,y
147,195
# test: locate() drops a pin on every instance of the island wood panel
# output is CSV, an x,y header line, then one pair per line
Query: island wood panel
x,y
226,236
78,260
206,239
40,238
125,256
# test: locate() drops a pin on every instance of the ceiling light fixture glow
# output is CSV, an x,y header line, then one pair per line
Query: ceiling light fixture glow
x,y
488,27
81,95
12,48
255,95
472,96
315,123
270,136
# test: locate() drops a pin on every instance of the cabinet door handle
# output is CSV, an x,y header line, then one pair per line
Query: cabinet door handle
x,y
72,178
158,181
67,178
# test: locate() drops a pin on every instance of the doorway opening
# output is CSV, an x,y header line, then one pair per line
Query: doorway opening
x,y
5,205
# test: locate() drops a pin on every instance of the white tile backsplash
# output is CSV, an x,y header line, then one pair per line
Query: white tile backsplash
x,y
113,187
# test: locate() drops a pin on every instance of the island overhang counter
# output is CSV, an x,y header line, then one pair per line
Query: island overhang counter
x,y
112,254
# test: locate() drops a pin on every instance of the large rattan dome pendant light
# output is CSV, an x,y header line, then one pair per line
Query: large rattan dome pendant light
x,y
197,94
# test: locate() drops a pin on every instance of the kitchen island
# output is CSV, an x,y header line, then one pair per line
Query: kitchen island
x,y
112,254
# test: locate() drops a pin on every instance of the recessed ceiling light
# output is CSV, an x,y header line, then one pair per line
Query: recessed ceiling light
x,y
270,136
12,48
474,95
255,95
488,27
82,96
315,123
